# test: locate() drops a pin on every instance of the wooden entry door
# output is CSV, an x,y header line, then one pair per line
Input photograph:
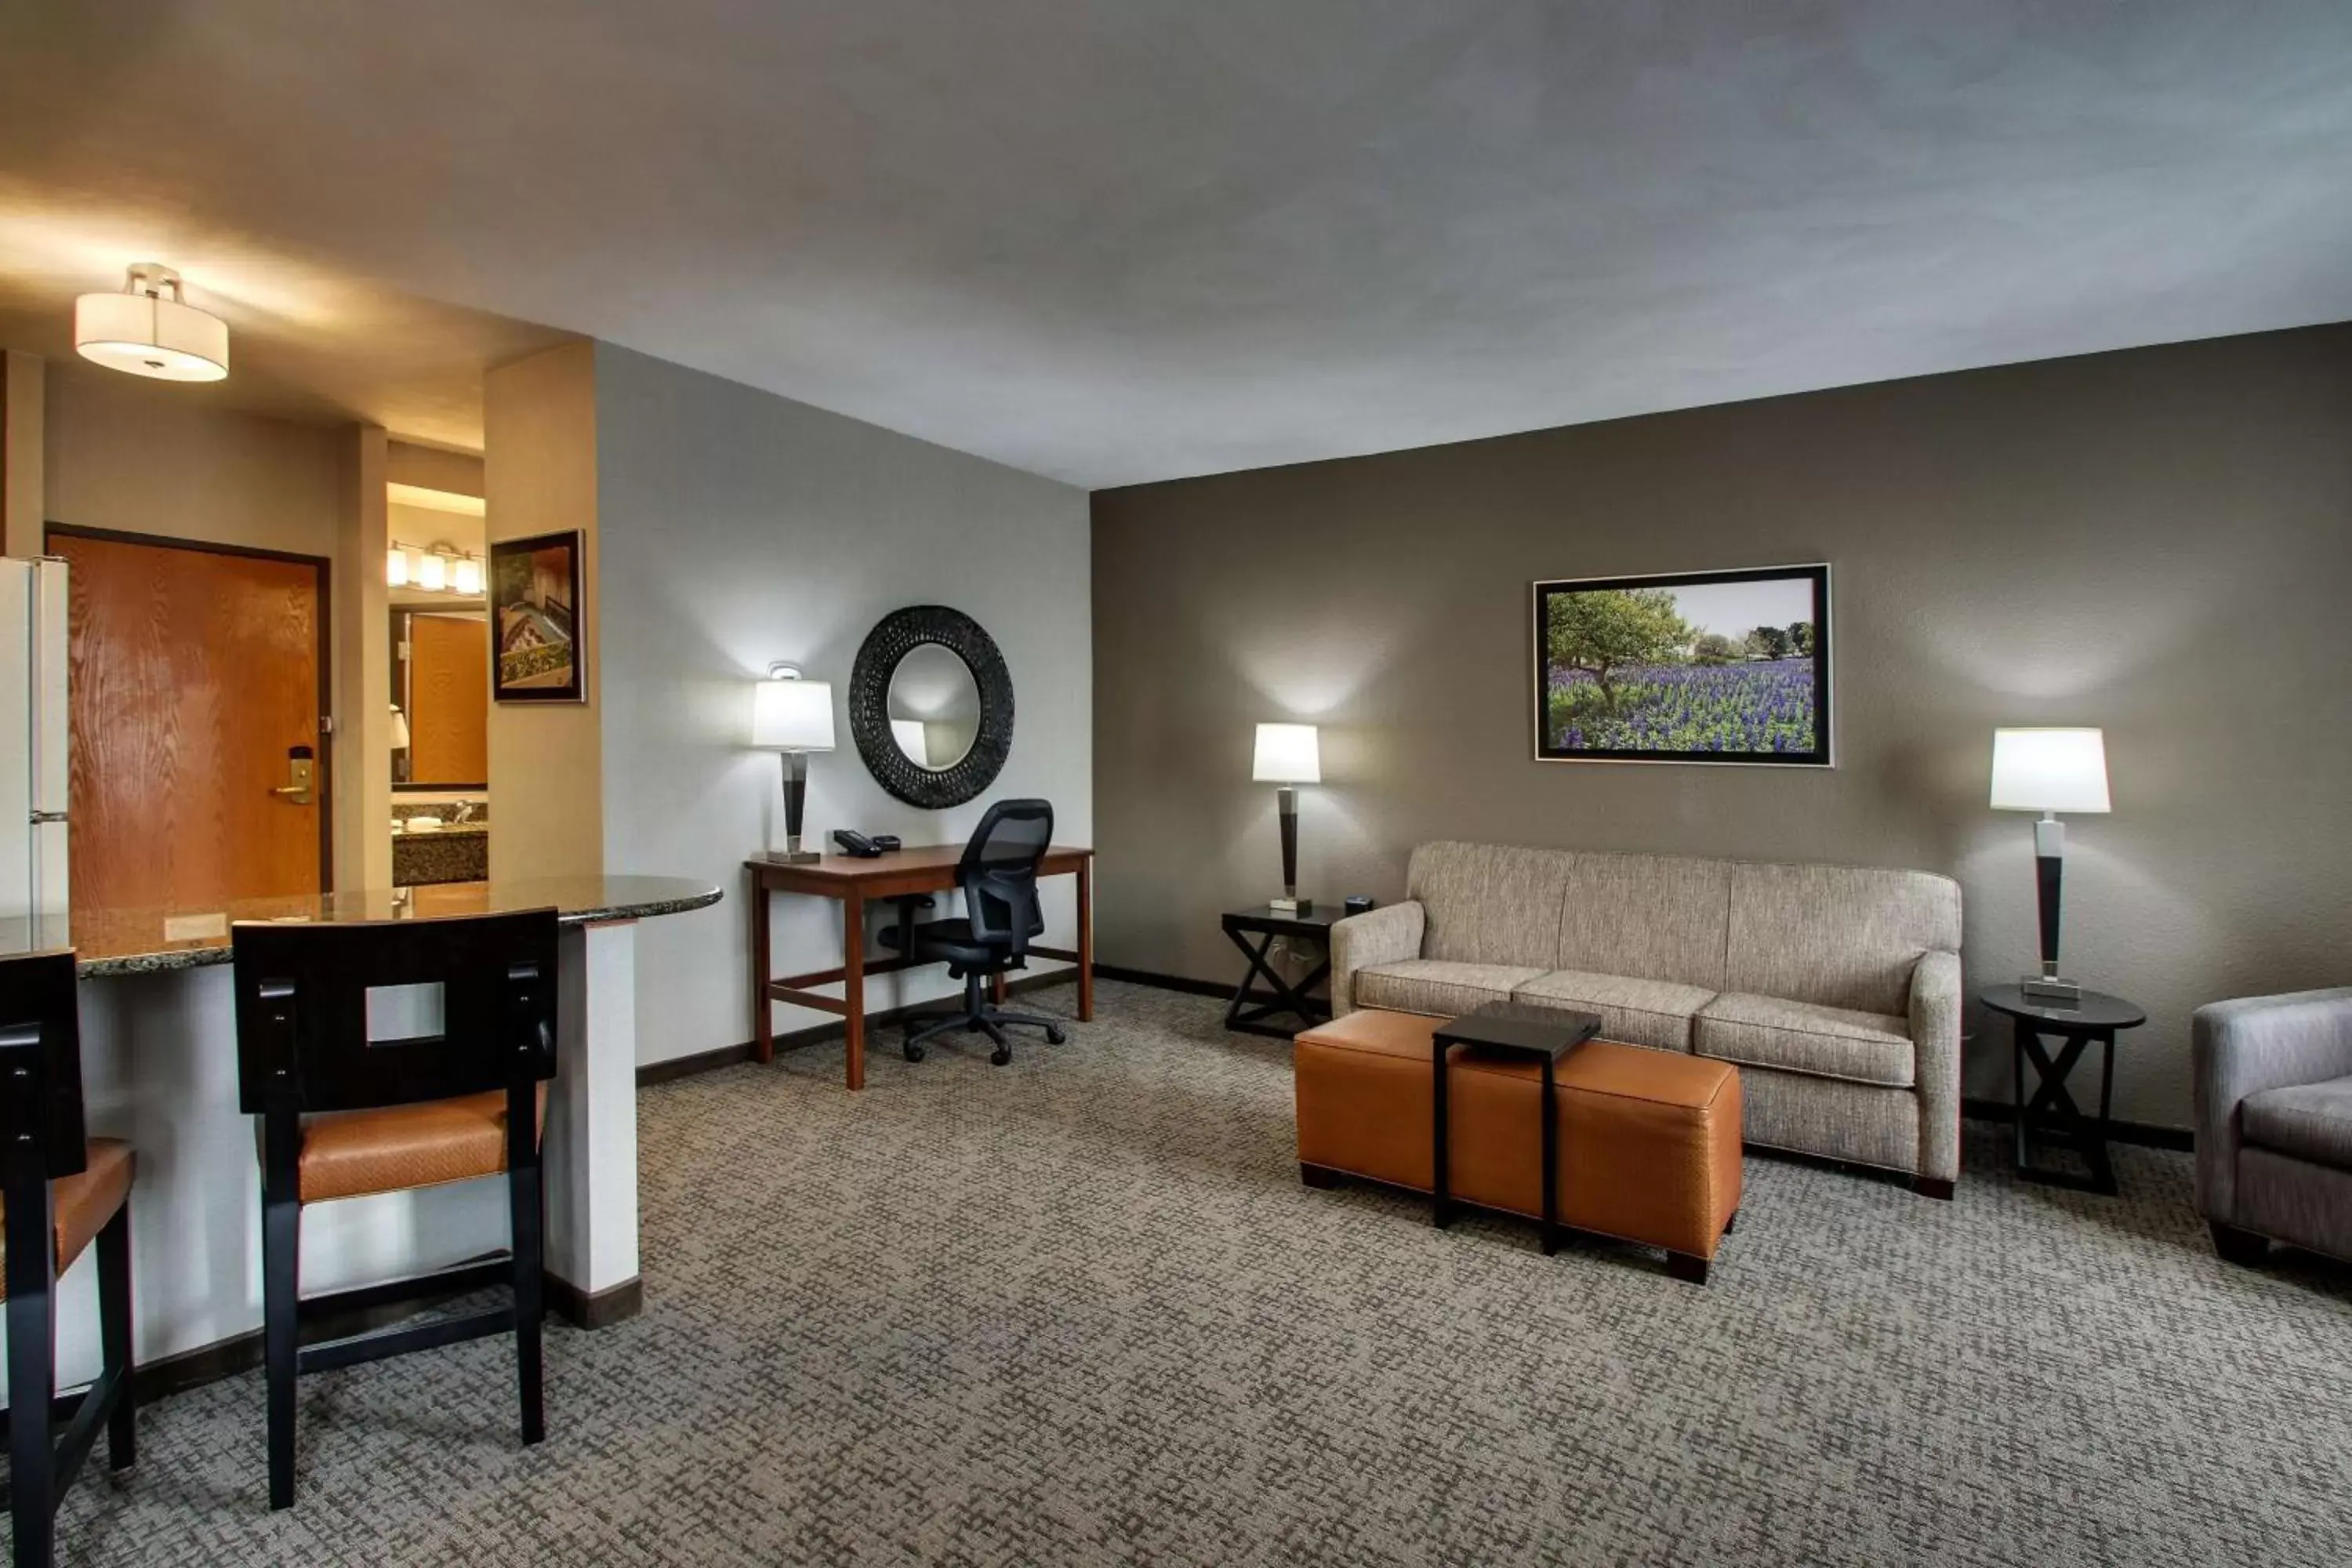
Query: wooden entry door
x,y
195,670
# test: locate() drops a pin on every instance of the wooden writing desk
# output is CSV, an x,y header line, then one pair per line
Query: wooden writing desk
x,y
930,869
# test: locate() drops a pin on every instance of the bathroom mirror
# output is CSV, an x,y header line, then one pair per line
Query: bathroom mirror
x,y
930,705
934,704
440,699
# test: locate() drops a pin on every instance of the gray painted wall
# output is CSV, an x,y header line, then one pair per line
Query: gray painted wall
x,y
2158,541
738,528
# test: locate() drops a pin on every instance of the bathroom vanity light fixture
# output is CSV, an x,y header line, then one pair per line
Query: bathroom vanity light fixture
x,y
150,329
442,568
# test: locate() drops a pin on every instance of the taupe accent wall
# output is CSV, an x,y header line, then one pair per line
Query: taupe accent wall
x,y
2156,541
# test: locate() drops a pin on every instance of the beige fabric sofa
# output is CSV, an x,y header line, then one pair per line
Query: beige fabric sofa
x,y
1835,989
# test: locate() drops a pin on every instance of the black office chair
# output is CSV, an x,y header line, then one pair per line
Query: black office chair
x,y
399,1114
998,876
62,1192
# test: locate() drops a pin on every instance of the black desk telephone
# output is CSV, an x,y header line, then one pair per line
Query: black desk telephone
x,y
854,842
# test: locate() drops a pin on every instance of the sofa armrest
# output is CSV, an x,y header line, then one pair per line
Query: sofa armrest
x,y
2242,1047
1388,935
1936,1002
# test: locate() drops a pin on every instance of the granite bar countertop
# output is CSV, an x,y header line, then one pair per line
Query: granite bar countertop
x,y
146,942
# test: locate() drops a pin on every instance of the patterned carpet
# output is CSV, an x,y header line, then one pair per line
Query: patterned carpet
x,y
1080,1310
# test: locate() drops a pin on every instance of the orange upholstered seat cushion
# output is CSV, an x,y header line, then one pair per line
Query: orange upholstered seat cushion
x,y
83,1203
1649,1140
352,1153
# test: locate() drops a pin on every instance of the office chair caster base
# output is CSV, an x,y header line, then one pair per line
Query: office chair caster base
x,y
1058,1035
913,1052
1000,1056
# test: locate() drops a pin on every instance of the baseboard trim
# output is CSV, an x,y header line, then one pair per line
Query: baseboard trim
x,y
825,1034
596,1309
2145,1134
1159,982
701,1061
332,1316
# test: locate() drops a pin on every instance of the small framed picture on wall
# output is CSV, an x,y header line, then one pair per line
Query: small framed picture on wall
x,y
1686,667
535,620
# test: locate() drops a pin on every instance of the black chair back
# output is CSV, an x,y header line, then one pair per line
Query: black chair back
x,y
999,873
40,1069
302,1010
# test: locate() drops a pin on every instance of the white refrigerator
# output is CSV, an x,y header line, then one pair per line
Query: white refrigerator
x,y
32,736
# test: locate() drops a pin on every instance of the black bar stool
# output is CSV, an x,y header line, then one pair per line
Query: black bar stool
x,y
63,1190
342,1116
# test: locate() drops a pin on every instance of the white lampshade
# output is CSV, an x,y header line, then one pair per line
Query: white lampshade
x,y
465,577
395,567
399,729
912,741
789,714
2049,770
1286,754
145,332
432,572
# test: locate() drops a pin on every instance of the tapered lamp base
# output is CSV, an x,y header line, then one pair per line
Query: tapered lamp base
x,y
795,801
2050,989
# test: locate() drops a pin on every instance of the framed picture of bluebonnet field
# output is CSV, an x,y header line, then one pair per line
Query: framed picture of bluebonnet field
x,y
535,620
1690,667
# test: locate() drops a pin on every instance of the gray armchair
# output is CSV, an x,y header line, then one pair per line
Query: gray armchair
x,y
2273,1083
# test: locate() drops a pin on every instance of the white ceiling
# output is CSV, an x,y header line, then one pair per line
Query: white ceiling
x,y
1119,242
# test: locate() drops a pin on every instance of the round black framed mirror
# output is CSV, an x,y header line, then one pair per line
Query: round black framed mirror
x,y
931,706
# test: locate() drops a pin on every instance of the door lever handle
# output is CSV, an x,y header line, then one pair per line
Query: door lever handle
x,y
298,764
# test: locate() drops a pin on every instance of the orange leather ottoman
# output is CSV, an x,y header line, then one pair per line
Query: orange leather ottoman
x,y
1649,1140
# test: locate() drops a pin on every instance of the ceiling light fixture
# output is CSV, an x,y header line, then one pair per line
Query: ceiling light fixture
x,y
146,333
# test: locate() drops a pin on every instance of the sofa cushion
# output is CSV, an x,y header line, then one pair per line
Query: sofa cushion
x,y
1436,987
1837,936
1800,1037
2309,1120
1652,917
1489,903
1639,1012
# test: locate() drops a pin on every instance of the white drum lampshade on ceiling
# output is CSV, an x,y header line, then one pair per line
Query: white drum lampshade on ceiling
x,y
150,329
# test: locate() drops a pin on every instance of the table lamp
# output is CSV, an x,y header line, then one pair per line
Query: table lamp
x,y
2050,771
399,744
1287,756
795,717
